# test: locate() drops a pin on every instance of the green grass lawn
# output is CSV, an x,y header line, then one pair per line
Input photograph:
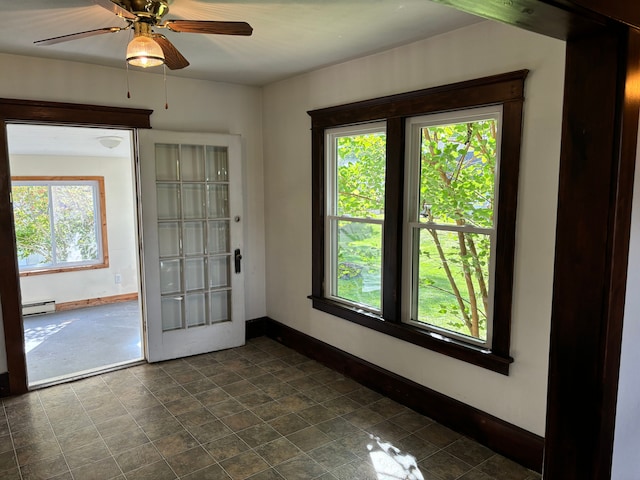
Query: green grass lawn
x,y
360,279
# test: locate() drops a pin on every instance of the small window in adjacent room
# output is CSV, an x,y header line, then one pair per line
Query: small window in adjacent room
x,y
414,210
60,223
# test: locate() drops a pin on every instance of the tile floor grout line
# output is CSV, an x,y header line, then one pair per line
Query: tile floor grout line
x,y
13,444
95,426
142,428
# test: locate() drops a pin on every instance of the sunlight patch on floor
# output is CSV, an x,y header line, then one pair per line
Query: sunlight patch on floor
x,y
36,335
392,464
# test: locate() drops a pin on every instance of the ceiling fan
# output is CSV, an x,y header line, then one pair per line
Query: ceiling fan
x,y
148,48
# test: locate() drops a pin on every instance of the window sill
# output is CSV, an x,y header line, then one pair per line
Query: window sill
x,y
461,351
49,271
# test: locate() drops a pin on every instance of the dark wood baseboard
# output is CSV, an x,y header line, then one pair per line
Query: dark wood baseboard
x,y
5,390
93,302
256,327
502,437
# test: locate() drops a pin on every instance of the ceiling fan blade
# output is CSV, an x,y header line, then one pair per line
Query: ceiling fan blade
x,y
172,57
209,26
74,36
117,9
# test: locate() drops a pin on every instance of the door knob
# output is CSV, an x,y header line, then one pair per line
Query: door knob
x,y
237,257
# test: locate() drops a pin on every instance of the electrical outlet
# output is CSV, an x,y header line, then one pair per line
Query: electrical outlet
x,y
118,278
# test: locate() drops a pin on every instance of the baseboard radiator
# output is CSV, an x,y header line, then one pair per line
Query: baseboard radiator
x,y
34,308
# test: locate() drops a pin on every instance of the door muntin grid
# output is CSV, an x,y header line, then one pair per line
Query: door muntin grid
x,y
192,189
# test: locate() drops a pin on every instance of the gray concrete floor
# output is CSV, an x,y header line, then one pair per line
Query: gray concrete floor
x,y
68,343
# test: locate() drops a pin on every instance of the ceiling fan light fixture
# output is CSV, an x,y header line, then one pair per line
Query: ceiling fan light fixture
x,y
143,51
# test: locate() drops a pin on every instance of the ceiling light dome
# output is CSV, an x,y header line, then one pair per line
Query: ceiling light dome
x,y
143,51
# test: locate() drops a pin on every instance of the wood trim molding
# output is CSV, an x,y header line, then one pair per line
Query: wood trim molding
x,y
500,88
57,112
94,302
502,437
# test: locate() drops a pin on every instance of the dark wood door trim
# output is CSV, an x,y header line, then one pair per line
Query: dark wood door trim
x,y
37,112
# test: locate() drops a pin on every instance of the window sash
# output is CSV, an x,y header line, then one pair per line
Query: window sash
x,y
332,218
413,225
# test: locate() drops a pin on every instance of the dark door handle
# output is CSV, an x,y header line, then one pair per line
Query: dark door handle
x,y
237,257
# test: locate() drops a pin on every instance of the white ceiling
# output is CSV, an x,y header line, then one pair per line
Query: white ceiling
x,y
289,36
55,140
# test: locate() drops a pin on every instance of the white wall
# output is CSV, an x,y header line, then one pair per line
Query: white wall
x,y
626,463
480,50
122,241
194,105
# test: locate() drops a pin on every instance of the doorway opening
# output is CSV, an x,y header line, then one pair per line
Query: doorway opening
x,y
74,213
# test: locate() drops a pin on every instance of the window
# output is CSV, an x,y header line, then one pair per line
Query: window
x,y
414,215
60,223
450,222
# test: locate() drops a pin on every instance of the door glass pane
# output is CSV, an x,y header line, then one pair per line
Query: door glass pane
x,y
217,164
193,201
219,237
170,276
166,162
218,200
219,272
168,201
193,238
195,310
194,274
192,163
169,239
219,306
171,313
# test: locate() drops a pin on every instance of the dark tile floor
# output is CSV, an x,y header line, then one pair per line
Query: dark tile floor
x,y
258,412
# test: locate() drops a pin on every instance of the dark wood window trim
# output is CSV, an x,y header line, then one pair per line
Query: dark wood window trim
x,y
14,110
103,262
505,89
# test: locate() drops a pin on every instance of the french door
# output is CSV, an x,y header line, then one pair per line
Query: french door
x,y
191,189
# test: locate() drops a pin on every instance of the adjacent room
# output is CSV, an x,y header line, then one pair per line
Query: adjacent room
x,y
76,236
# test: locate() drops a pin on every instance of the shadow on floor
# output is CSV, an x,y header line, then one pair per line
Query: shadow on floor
x,y
64,344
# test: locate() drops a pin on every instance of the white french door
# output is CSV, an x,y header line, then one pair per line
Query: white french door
x,y
191,193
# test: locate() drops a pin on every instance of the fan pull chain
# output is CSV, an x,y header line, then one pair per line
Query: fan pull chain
x,y
164,74
128,89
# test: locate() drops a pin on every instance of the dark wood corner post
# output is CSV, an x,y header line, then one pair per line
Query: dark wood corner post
x,y
9,279
600,126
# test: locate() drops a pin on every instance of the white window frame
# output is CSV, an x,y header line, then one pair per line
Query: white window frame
x,y
412,224
98,216
332,218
